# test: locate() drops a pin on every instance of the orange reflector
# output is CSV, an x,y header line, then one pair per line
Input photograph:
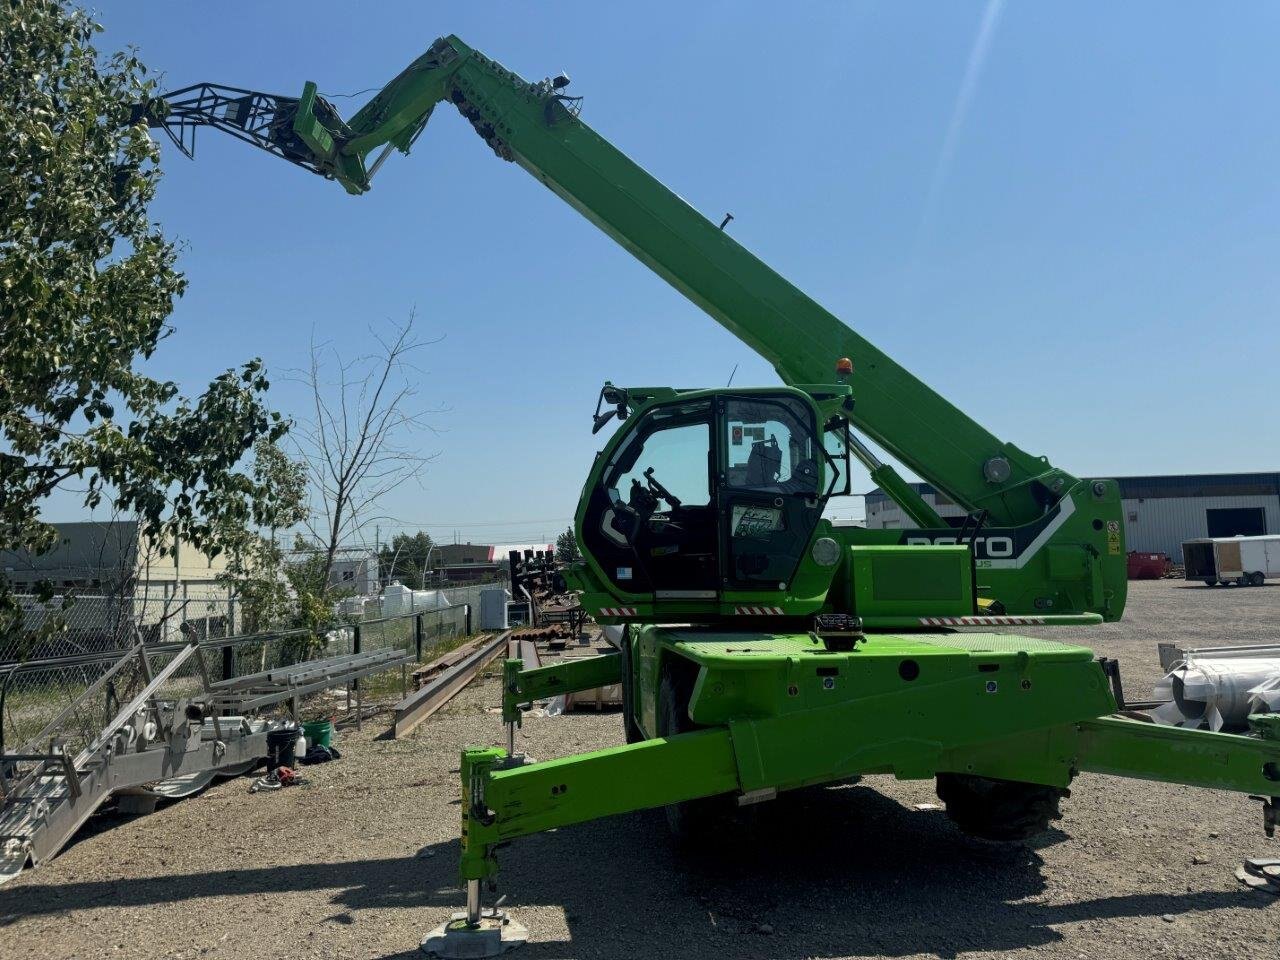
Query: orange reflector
x,y
844,365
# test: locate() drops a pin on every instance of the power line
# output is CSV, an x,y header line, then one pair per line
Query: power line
x,y
422,525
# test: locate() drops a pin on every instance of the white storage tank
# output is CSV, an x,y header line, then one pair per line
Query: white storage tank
x,y
397,600
493,608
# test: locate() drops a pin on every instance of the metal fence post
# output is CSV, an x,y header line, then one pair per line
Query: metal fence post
x,y
228,662
355,648
467,608
417,634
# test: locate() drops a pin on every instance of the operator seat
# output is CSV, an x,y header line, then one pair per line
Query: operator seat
x,y
764,464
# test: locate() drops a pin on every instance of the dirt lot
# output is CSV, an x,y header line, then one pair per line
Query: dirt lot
x,y
360,862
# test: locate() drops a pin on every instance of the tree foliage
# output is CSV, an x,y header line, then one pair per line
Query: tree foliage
x,y
255,569
567,547
87,283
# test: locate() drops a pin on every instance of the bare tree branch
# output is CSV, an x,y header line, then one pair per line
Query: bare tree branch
x,y
360,444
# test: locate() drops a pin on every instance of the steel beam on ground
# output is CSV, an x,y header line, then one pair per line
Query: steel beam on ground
x,y
419,705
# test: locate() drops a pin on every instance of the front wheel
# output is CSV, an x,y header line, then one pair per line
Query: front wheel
x,y
1003,810
693,821
1211,583
630,728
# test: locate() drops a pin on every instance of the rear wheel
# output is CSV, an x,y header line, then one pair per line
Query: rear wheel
x,y
1004,810
1211,583
1256,579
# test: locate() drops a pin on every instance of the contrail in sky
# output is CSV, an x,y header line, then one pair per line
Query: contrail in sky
x,y
964,99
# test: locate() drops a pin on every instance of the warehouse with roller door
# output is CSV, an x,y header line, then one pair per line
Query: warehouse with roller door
x,y
1160,512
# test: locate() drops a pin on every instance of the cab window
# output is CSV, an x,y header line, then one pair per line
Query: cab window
x,y
677,455
770,447
657,525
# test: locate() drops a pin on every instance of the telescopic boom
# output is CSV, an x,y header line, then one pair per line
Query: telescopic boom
x,y
537,126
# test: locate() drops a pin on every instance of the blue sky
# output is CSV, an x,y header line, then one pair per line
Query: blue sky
x,y
1063,217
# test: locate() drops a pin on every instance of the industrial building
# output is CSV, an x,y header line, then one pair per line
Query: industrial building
x,y
1160,512
121,578
355,571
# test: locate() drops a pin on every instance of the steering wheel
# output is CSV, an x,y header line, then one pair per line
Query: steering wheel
x,y
656,488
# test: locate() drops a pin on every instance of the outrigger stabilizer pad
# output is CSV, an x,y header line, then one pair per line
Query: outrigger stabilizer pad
x,y
493,934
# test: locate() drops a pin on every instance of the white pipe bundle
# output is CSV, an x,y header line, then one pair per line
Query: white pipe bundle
x,y
1220,687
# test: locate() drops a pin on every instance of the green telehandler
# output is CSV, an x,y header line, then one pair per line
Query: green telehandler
x,y
762,647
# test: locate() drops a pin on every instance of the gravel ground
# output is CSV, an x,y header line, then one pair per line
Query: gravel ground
x,y
360,862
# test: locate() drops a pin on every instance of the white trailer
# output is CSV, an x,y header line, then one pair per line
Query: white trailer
x,y
1244,561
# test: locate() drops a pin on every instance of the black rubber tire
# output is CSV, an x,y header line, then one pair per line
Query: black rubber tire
x,y
1257,579
693,822
1211,583
1003,810
631,730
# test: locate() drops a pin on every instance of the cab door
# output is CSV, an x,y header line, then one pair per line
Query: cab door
x,y
651,520
769,494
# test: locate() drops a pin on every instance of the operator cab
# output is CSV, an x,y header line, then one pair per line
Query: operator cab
x,y
711,491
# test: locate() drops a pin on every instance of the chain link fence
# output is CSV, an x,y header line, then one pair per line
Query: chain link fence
x,y
73,625
39,696
133,639
364,628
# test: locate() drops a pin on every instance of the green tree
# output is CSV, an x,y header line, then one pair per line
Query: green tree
x,y
406,557
305,573
567,547
87,283
255,568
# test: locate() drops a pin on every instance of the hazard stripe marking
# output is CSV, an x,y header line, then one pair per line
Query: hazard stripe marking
x,y
980,621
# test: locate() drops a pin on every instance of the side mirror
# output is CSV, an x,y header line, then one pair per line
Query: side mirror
x,y
600,419
609,394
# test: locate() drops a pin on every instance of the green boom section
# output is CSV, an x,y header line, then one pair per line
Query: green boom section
x,y
1045,543
531,124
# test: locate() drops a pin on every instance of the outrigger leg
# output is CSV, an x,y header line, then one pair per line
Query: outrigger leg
x,y
505,797
475,932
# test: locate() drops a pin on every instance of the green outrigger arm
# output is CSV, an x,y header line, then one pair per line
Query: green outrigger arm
x,y
1125,747
1069,727
520,686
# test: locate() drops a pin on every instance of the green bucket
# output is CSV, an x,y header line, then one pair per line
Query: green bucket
x,y
319,732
